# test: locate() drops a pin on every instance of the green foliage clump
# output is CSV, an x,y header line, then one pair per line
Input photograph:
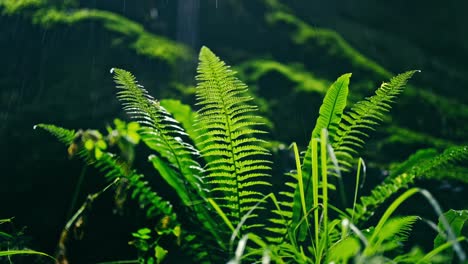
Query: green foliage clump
x,y
216,161
13,244
333,43
15,6
296,74
126,32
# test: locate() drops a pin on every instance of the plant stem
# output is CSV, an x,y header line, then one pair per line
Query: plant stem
x,y
315,193
323,152
77,191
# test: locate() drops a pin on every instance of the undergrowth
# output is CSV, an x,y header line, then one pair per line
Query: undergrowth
x,y
218,162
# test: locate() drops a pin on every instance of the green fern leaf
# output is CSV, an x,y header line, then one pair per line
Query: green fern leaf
x,y
226,115
394,232
113,170
329,118
422,164
333,106
364,116
161,133
65,136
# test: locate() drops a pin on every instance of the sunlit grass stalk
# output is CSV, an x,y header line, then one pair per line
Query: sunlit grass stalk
x,y
427,258
323,152
221,214
315,194
300,181
356,189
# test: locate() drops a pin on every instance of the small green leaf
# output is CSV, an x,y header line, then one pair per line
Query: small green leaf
x,y
133,137
119,124
98,153
160,253
144,231
101,144
177,231
133,126
89,144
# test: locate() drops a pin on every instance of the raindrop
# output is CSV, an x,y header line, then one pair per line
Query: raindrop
x,y
35,126
154,13
112,70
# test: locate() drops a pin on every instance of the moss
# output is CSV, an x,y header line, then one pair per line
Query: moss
x,y
252,71
127,31
16,6
400,136
143,42
331,41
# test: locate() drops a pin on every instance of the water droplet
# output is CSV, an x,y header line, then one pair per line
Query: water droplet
x,y
35,126
154,13
112,70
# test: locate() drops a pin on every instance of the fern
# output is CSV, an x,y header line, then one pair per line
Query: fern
x,y
238,163
109,164
329,118
163,134
364,116
332,107
449,172
422,164
65,136
233,180
187,118
394,232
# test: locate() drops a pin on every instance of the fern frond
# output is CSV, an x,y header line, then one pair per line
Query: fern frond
x,y
450,172
281,219
393,234
229,140
422,164
142,192
113,169
364,116
330,114
187,117
161,133
65,136
333,106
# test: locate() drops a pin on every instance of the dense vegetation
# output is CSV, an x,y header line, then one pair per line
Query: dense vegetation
x,y
287,82
234,186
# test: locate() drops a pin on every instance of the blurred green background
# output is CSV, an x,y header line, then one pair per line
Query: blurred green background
x,y
55,58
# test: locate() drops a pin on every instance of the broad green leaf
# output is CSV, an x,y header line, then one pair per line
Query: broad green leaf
x,y
457,220
333,106
344,250
184,114
171,177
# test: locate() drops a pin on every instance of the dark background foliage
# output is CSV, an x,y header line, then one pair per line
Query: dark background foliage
x,y
54,68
